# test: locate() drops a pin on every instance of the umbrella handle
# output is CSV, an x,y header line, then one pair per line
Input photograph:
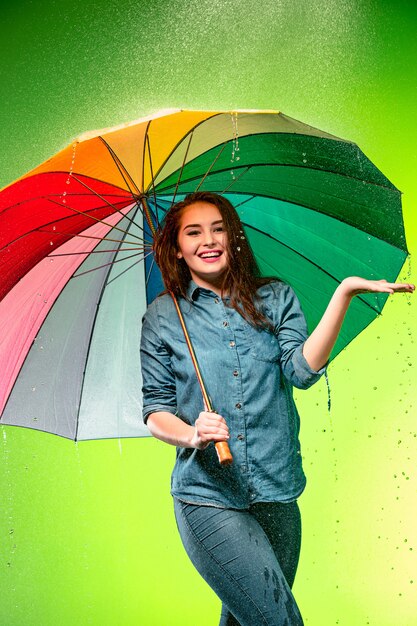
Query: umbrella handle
x,y
222,448
223,453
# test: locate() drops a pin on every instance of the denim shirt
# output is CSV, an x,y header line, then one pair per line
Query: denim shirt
x,y
249,375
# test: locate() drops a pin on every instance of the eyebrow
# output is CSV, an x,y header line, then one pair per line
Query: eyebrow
x,y
199,225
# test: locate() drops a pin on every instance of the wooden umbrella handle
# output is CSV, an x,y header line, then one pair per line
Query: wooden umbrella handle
x,y
223,453
222,448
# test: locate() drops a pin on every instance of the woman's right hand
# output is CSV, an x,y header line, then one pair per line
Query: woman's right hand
x,y
209,427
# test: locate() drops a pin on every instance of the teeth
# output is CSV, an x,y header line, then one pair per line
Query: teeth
x,y
209,255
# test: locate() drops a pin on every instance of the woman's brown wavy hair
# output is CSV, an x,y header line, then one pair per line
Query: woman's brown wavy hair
x,y
242,276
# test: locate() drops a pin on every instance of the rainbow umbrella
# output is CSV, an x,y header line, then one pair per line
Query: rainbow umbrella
x,y
76,270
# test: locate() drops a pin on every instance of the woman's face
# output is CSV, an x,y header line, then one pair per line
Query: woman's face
x,y
202,243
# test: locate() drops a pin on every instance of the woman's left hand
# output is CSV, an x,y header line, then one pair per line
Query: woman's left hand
x,y
355,285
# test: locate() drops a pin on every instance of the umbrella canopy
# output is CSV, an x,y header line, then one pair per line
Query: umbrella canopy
x,y
76,271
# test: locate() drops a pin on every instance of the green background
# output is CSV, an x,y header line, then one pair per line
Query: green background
x,y
87,533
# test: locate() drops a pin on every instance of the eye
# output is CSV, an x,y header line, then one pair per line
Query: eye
x,y
219,229
193,233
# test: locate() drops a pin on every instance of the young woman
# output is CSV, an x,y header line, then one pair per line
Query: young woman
x,y
240,524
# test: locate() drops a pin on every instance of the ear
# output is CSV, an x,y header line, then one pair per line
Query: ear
x,y
179,255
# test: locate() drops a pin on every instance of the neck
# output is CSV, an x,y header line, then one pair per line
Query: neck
x,y
215,286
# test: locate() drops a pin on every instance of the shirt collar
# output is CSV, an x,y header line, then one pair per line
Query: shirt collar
x,y
194,290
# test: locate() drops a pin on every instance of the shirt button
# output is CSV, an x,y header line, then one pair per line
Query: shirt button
x,y
232,344
225,323
241,437
238,405
216,300
235,373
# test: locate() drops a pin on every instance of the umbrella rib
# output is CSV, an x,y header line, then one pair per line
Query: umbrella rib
x,y
40,229
167,202
58,232
306,259
236,179
99,267
106,201
211,166
46,197
143,153
182,168
191,130
244,201
67,206
150,272
148,143
124,271
139,249
122,169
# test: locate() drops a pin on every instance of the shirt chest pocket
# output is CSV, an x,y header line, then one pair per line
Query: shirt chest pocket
x,y
263,345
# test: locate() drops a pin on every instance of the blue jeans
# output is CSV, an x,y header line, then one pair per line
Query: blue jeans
x,y
248,557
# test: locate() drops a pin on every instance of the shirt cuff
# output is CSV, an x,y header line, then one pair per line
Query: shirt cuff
x,y
155,408
306,375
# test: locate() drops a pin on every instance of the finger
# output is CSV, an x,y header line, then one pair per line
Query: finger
x,y
401,287
214,417
207,428
213,436
214,428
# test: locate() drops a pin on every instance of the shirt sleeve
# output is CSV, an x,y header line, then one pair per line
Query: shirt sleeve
x,y
159,388
292,333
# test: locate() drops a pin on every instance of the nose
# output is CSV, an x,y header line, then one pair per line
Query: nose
x,y
208,239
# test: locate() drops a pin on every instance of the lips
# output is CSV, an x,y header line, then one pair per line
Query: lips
x,y
210,256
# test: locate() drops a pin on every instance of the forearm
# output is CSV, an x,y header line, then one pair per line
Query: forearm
x,y
171,429
319,344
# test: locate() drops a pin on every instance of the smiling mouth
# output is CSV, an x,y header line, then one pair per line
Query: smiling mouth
x,y
213,254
